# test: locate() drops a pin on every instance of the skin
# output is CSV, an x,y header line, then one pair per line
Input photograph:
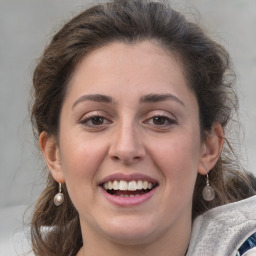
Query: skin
x,y
129,138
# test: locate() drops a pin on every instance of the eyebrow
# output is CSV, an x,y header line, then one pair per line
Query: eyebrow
x,y
94,97
144,99
160,97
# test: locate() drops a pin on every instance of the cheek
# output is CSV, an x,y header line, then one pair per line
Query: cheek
x,y
179,151
80,159
177,158
80,165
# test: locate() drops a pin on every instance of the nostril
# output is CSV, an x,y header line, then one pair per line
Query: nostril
x,y
126,158
116,158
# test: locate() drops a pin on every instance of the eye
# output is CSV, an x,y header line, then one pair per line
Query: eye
x,y
95,120
160,120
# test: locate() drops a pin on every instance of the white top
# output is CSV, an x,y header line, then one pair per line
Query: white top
x,y
222,230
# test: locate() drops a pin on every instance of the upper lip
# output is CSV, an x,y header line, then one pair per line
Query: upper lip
x,y
128,177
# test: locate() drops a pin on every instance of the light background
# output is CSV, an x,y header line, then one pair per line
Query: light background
x,y
25,28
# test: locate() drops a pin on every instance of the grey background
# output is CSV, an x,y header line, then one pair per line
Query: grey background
x,y
25,28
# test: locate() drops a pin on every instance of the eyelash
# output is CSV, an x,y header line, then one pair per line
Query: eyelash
x,y
97,121
89,119
167,121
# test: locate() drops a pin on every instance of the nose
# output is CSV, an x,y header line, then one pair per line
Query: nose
x,y
126,145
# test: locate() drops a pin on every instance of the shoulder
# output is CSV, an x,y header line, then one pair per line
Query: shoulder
x,y
223,230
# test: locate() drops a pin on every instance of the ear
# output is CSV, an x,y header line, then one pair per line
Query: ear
x,y
211,149
51,153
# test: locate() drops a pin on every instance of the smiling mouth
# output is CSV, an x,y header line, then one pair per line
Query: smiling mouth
x,y
132,188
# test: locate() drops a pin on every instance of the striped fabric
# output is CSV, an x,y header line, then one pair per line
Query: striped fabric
x,y
248,248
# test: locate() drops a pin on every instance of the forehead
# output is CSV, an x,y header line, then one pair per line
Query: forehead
x,y
127,62
120,70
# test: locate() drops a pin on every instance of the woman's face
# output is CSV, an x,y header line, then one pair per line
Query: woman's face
x,y
129,143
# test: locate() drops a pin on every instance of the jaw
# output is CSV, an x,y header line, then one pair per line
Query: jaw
x,y
135,234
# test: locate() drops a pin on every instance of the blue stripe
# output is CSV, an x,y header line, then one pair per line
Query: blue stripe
x,y
247,245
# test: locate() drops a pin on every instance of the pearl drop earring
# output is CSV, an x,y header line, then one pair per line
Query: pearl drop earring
x,y
59,198
208,192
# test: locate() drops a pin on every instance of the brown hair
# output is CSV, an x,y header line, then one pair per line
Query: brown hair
x,y
208,70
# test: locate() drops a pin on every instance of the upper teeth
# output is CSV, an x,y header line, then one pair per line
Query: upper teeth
x,y
130,186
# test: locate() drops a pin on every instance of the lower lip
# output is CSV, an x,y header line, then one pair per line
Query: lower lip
x,y
128,201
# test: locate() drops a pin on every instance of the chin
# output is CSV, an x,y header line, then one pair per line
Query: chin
x,y
128,232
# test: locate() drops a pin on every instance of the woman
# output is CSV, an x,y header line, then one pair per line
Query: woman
x,y
131,103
